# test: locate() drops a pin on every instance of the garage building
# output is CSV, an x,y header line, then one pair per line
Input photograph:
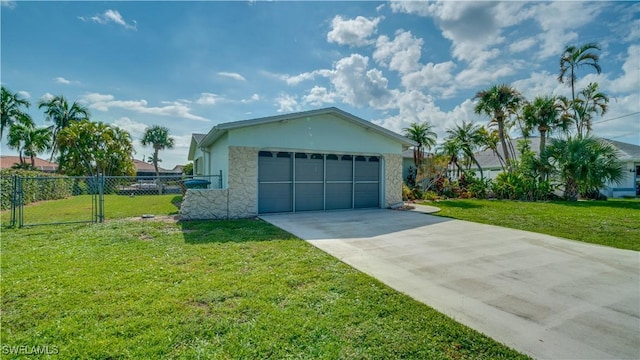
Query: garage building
x,y
317,160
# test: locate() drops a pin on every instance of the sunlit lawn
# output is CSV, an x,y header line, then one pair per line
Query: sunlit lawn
x,y
615,222
78,208
144,289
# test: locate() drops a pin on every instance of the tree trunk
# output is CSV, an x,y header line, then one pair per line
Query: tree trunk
x,y
33,161
155,166
571,190
505,149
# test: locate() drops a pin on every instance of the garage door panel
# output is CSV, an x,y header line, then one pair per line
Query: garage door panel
x,y
275,198
366,196
339,168
309,197
309,167
276,167
367,168
339,196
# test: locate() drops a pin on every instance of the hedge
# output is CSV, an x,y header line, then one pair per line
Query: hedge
x,y
36,186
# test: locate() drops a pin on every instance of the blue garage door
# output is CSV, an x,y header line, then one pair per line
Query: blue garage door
x,y
313,181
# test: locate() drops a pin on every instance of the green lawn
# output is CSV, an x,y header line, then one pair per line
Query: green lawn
x,y
613,223
78,208
217,289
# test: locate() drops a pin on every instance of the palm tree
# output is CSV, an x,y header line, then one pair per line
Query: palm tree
x,y
544,114
583,164
470,138
11,109
158,137
491,141
499,102
452,149
589,101
574,58
62,115
29,139
423,134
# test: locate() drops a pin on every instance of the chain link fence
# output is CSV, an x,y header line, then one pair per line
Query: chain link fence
x,y
18,192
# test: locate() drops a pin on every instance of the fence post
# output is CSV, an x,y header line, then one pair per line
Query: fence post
x,y
101,198
220,180
20,203
14,198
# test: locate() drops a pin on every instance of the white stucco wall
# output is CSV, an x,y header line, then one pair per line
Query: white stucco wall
x,y
322,133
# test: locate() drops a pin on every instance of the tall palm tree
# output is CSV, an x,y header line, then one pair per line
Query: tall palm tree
x,y
544,114
11,109
491,141
158,137
470,138
423,134
58,111
572,59
575,57
499,102
583,164
29,139
590,101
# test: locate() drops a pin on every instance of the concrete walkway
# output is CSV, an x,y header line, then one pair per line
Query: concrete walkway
x,y
547,297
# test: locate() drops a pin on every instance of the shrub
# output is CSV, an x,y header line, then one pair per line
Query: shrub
x,y
36,186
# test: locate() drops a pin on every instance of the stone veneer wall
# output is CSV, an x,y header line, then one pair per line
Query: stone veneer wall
x,y
204,204
393,179
239,200
243,181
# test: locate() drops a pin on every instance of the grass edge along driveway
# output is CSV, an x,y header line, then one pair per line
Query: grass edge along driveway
x,y
614,223
215,289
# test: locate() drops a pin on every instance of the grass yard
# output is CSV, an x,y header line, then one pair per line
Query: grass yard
x,y
78,208
613,223
216,289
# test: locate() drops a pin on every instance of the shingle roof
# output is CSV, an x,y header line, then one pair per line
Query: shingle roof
x,y
488,160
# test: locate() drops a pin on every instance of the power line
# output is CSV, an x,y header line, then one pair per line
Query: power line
x,y
615,118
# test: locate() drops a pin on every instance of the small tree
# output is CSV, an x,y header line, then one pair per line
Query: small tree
x,y
11,109
158,137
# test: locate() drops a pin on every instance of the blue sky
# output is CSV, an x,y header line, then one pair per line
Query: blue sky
x,y
192,65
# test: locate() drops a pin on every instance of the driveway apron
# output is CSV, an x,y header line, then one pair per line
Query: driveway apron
x,y
547,297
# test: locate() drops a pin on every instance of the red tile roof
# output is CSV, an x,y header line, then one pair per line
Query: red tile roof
x,y
7,161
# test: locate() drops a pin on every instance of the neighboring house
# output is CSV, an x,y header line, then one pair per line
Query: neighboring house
x,y
407,161
629,155
146,169
630,185
40,164
324,159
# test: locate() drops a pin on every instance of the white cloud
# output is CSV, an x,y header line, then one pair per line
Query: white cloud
x,y
61,80
402,54
353,32
415,106
47,97
232,75
634,31
209,99
111,16
431,76
24,94
522,45
136,129
253,98
287,103
358,86
559,20
629,81
102,102
319,96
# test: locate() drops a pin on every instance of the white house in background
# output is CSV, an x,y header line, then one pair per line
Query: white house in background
x,y
324,159
629,155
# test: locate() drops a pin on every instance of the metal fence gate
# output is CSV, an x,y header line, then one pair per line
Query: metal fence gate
x,y
87,194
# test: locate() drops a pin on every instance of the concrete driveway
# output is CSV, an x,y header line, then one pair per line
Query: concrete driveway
x,y
547,297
